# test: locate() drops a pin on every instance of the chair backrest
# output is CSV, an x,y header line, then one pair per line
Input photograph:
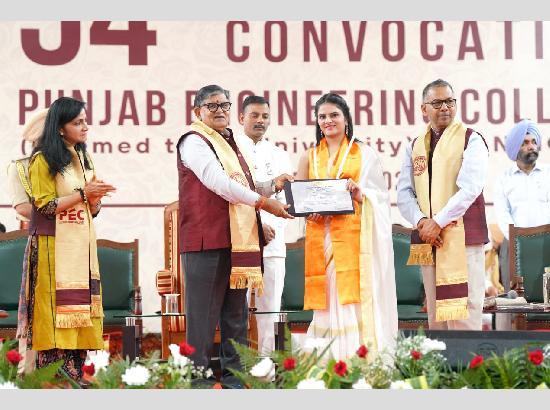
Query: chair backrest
x,y
529,250
12,250
293,290
408,278
118,265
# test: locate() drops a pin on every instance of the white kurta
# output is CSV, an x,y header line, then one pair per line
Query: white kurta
x,y
268,162
342,323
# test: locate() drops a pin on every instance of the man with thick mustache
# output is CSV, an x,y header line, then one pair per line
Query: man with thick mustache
x,y
522,193
440,193
268,161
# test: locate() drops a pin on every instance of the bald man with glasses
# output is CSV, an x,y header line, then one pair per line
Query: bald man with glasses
x,y
440,193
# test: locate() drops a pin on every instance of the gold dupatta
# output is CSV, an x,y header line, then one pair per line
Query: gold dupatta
x,y
451,272
78,294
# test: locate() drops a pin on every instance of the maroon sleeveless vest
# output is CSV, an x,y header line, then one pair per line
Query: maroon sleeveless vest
x,y
475,222
203,215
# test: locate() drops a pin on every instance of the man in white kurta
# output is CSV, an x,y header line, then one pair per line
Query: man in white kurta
x,y
268,161
522,193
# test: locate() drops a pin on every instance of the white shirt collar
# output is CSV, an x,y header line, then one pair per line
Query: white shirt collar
x,y
517,169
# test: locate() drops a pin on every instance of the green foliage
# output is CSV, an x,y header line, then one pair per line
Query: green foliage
x,y
519,368
7,370
512,370
111,377
49,376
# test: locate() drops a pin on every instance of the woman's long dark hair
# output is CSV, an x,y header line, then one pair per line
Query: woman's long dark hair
x,y
332,98
51,144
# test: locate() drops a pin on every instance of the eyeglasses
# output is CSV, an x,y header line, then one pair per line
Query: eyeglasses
x,y
449,102
213,107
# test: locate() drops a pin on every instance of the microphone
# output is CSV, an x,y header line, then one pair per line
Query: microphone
x,y
511,294
491,301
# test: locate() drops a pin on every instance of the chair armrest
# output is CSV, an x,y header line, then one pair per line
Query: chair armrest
x,y
252,306
165,281
137,301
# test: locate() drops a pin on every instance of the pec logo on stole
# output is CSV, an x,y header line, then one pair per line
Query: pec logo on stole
x,y
240,178
419,165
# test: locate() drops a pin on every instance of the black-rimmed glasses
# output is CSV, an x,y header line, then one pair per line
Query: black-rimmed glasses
x,y
449,102
213,107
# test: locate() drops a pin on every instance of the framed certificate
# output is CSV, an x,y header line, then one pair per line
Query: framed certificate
x,y
321,196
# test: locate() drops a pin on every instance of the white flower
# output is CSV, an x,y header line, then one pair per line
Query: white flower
x,y
429,345
179,360
312,343
386,359
136,376
265,369
8,386
99,358
208,373
307,384
400,385
361,384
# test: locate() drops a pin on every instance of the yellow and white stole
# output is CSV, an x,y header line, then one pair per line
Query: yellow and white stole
x,y
246,269
351,236
78,293
451,272
344,232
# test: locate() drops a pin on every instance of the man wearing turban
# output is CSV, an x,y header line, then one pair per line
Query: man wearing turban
x,y
522,193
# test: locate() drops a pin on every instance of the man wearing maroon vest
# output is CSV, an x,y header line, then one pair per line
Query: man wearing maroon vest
x,y
205,239
439,106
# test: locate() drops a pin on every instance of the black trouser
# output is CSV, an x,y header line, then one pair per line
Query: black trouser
x,y
208,300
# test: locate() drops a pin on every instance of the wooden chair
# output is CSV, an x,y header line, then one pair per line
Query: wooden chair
x,y
408,282
529,250
170,281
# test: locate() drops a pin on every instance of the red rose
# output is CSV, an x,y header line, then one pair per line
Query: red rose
x,y
13,357
340,368
416,355
186,349
289,363
536,357
476,362
89,369
362,351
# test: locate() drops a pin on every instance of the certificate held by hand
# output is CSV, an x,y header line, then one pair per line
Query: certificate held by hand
x,y
320,196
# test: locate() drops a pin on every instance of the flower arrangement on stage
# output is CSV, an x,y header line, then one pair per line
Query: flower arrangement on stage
x,y
416,363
